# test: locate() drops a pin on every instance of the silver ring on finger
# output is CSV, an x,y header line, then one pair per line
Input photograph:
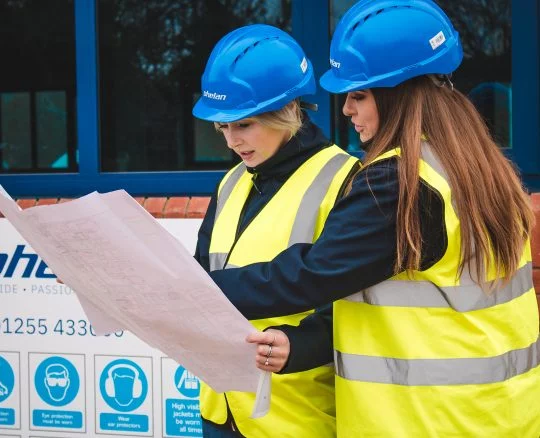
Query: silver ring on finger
x,y
266,362
269,350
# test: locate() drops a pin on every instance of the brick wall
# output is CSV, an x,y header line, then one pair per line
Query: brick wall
x,y
535,246
195,207
174,207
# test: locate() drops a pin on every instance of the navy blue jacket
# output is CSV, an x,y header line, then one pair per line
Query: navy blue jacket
x,y
268,179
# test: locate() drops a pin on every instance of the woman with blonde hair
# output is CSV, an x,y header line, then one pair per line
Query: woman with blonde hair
x,y
427,258
279,195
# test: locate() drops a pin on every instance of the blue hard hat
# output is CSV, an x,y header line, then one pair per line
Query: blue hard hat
x,y
253,70
381,43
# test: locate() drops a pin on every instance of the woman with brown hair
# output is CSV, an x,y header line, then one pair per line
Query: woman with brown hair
x,y
436,329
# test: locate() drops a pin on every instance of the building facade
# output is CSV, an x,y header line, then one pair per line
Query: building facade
x,y
97,94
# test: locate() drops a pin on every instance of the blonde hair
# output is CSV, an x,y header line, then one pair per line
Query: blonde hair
x,y
288,118
492,206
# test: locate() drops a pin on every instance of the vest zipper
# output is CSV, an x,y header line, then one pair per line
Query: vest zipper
x,y
254,182
230,417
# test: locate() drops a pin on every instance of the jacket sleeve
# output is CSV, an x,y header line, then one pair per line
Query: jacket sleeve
x,y
310,341
202,250
355,250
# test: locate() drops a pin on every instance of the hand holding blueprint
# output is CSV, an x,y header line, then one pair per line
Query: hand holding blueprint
x,y
130,273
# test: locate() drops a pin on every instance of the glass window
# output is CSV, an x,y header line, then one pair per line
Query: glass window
x,y
37,91
152,54
485,74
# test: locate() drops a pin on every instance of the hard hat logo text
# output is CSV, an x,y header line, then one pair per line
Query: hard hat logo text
x,y
214,96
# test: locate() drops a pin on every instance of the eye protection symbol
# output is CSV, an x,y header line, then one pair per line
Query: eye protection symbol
x,y
62,382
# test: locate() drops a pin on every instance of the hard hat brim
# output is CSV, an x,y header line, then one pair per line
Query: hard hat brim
x,y
438,64
204,112
335,85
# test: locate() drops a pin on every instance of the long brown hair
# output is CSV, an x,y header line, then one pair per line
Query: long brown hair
x,y
494,211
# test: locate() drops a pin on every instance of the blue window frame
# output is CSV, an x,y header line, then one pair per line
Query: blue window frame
x,y
526,91
311,28
38,89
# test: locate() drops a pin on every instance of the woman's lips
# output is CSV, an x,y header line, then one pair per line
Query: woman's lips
x,y
247,155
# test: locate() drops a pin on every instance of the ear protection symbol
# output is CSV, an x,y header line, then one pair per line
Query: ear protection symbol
x,y
109,381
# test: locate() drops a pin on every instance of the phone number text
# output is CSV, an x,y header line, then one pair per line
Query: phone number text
x,y
44,326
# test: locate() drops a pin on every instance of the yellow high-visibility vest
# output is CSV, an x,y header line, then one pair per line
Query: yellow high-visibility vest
x,y
302,404
433,355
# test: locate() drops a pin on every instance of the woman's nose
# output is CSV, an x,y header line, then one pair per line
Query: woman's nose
x,y
348,107
232,139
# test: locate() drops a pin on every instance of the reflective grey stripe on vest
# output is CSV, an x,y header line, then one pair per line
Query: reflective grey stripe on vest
x,y
429,157
217,260
433,372
227,188
306,217
463,298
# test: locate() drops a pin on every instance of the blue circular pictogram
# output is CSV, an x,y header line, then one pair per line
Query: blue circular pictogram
x,y
7,379
186,383
57,381
123,385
